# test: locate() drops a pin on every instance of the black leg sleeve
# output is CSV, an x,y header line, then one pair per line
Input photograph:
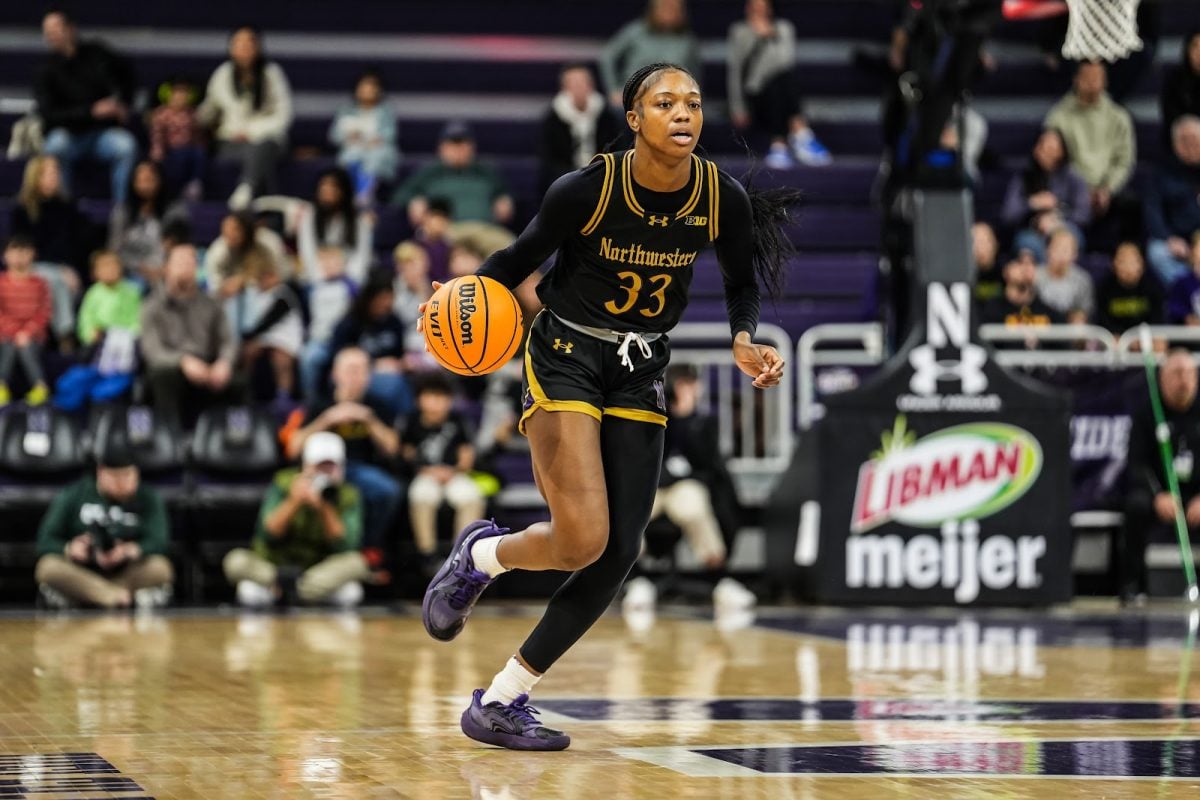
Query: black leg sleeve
x,y
632,453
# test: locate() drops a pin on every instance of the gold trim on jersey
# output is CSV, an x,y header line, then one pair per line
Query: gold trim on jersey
x,y
605,194
714,201
546,404
690,205
627,184
635,414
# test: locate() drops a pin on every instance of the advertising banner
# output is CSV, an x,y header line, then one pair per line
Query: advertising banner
x,y
943,478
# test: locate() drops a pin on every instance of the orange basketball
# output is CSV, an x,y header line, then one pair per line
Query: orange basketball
x,y
472,325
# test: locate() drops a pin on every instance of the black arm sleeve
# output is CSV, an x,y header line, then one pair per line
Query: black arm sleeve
x,y
278,310
734,246
565,209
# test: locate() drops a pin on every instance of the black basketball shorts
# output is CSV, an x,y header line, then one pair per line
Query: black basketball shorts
x,y
568,370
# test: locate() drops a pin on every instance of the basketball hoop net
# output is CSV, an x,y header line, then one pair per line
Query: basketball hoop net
x,y
1101,30
1097,30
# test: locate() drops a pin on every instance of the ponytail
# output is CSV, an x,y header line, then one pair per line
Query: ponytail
x,y
771,214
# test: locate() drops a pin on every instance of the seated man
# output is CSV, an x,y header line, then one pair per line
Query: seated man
x,y
1171,211
309,531
475,189
1149,507
186,340
103,540
1019,304
371,441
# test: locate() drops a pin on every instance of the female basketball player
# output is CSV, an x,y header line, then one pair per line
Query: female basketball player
x,y
627,230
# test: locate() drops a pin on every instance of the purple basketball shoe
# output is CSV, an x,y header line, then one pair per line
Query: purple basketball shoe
x,y
513,726
457,585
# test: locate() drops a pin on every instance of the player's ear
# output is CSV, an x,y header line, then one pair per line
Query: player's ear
x,y
634,119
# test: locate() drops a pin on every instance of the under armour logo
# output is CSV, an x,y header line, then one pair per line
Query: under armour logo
x,y
660,221
566,347
968,369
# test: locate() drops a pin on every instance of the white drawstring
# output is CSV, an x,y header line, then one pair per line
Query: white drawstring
x,y
623,349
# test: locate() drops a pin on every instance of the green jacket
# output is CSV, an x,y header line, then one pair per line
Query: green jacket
x,y
471,190
305,543
107,307
80,508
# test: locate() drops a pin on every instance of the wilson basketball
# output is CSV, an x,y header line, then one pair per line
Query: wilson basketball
x,y
472,325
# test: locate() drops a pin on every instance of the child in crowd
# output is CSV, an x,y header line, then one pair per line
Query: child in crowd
x,y
412,287
1062,284
436,444
329,300
109,321
24,320
365,134
177,139
1129,296
110,302
1183,301
277,332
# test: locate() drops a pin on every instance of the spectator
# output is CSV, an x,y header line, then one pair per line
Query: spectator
x,y
436,444
433,234
109,320
135,227
365,134
661,34
332,221
250,103
1181,87
1183,300
1172,211
177,140
474,189
329,300
1064,285
104,539
1149,507
24,317
1098,134
988,282
227,265
1048,195
502,409
965,135
374,327
578,124
277,332
307,537
59,234
371,442
83,95
763,93
1019,304
111,302
412,287
1127,296
186,341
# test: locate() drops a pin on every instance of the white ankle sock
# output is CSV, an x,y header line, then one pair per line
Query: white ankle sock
x,y
483,553
509,682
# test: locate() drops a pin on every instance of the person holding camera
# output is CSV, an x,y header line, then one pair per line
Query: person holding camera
x,y
104,538
308,536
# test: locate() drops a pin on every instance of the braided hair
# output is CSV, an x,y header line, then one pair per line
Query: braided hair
x,y
771,209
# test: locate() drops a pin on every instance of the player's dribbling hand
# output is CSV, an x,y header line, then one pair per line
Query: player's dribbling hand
x,y
760,361
421,309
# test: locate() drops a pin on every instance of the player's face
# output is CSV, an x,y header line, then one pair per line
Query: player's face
x,y
669,115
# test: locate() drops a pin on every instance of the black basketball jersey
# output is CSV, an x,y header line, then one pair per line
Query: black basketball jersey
x,y
624,255
629,267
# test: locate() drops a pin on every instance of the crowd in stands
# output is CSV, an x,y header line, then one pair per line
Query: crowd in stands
x,y
290,306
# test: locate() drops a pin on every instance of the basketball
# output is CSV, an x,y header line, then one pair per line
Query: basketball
x,y
472,325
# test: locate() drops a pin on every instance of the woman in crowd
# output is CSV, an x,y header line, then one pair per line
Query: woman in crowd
x,y
135,227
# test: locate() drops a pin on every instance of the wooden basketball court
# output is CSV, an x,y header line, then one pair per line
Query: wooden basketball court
x,y
1080,703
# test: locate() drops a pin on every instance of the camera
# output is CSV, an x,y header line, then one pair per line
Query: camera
x,y
326,488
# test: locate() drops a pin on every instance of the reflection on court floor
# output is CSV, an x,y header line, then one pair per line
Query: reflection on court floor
x,y
809,704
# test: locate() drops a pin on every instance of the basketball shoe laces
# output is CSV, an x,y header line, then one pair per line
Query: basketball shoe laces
x,y
623,349
470,582
520,710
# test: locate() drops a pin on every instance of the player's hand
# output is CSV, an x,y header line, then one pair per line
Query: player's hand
x,y
760,361
421,309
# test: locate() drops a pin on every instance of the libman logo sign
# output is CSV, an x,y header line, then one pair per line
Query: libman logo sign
x,y
968,471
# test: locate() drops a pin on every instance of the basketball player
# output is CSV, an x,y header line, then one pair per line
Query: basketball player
x,y
627,230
